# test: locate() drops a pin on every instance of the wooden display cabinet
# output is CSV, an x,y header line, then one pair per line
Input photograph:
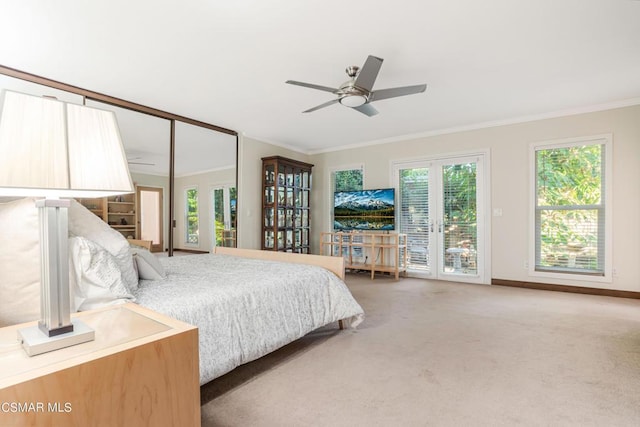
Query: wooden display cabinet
x,y
286,203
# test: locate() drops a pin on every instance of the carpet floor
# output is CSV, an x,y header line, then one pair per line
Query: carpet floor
x,y
435,353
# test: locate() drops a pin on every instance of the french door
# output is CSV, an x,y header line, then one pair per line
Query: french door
x,y
442,211
223,203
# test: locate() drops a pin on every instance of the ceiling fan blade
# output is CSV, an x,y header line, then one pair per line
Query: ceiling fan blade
x,y
369,72
326,104
141,163
396,91
312,86
366,109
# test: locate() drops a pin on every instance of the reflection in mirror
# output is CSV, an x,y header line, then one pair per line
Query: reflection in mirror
x,y
146,141
203,192
19,85
204,188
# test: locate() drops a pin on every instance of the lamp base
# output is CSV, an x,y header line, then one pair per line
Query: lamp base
x,y
35,342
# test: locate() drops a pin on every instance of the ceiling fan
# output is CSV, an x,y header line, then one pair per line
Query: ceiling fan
x,y
132,161
358,92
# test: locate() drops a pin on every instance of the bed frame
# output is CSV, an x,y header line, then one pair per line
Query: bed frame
x,y
143,243
331,263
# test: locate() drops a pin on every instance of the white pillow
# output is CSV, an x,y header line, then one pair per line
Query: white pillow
x,y
149,266
19,262
95,276
86,224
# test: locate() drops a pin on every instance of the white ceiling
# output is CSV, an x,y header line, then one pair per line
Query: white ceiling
x,y
225,63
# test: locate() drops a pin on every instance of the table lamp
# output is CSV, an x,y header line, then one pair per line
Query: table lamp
x,y
54,149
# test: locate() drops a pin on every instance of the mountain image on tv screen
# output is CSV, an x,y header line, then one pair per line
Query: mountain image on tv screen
x,y
364,210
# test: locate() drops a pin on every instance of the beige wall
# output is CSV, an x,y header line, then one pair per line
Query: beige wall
x,y
509,148
510,184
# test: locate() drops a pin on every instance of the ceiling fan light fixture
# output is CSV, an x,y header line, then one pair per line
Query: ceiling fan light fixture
x,y
353,100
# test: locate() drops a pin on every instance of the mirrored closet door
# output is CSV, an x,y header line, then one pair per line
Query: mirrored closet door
x,y
177,164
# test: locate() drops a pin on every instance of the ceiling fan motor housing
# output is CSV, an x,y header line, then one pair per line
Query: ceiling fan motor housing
x,y
352,95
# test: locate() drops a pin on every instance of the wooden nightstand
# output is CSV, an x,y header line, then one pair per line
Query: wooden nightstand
x,y
141,370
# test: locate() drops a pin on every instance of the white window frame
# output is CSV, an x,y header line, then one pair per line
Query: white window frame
x,y
186,217
606,140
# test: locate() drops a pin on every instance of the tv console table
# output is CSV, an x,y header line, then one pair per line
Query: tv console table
x,y
375,252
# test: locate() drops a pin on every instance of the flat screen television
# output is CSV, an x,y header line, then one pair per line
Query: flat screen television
x,y
364,210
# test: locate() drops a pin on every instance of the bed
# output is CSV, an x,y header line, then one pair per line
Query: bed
x,y
245,308
245,303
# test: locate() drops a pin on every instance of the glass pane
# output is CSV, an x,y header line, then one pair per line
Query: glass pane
x,y
268,195
569,176
269,174
297,196
414,216
281,218
233,201
459,217
218,215
268,217
298,222
191,216
570,239
289,221
268,239
348,180
289,196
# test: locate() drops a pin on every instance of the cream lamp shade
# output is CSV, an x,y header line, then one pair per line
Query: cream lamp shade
x,y
52,148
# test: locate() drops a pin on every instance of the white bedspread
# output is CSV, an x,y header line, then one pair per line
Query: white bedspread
x,y
246,308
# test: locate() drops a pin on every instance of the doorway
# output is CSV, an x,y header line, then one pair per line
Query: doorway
x,y
442,211
150,202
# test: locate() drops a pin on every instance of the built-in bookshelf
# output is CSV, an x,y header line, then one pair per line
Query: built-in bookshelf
x,y
117,211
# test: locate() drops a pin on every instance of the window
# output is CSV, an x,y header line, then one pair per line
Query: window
x,y
571,209
348,179
191,216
